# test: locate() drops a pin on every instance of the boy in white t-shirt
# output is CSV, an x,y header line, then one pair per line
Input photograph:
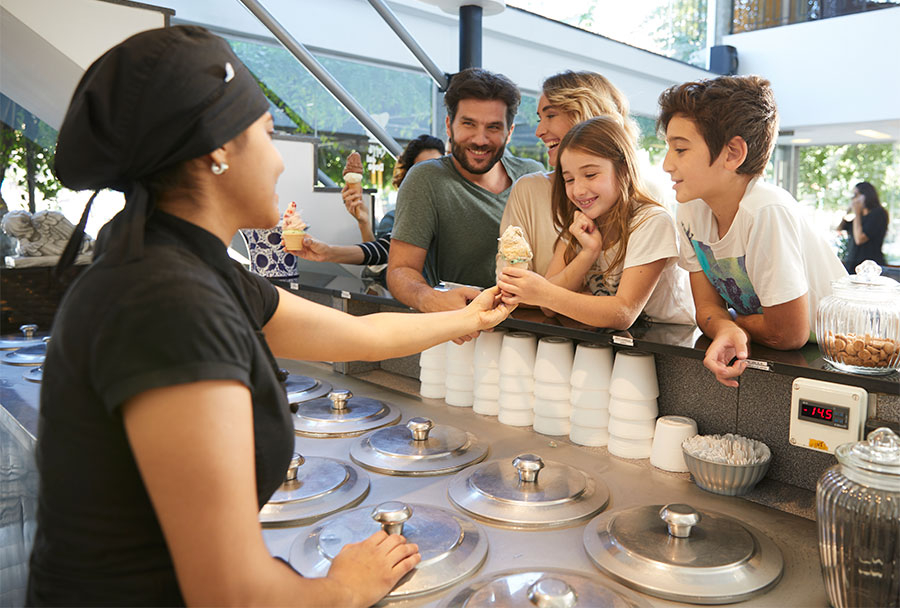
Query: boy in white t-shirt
x,y
758,270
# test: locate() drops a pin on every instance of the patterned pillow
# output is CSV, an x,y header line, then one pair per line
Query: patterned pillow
x,y
267,257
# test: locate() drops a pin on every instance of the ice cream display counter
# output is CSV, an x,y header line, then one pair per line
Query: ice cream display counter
x,y
494,506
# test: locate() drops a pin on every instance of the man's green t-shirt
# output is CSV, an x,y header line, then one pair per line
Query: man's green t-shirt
x,y
457,221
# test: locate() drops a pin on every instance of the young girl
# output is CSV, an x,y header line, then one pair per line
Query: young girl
x,y
615,241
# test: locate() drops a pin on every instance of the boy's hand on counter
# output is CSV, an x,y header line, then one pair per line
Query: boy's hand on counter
x,y
726,357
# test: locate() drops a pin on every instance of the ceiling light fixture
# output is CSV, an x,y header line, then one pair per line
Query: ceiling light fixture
x,y
873,134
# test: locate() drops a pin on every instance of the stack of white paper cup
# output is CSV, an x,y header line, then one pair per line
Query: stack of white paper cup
x,y
591,372
516,378
487,372
633,409
433,371
460,380
552,371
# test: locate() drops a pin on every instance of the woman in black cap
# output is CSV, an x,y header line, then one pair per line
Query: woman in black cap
x,y
163,425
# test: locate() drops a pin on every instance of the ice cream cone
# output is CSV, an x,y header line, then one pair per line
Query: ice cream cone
x,y
293,239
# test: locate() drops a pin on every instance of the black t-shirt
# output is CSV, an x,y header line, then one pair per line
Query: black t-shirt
x,y
874,225
173,317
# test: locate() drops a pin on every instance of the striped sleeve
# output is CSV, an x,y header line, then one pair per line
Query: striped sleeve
x,y
376,252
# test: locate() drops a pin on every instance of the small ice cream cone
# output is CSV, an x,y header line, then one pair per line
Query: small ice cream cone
x,y
293,228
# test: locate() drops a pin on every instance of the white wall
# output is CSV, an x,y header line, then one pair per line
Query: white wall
x,y
839,70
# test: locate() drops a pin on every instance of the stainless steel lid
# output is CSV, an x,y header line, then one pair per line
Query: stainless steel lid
x,y
313,488
342,415
29,337
304,388
418,448
451,545
529,492
678,553
35,374
547,588
27,355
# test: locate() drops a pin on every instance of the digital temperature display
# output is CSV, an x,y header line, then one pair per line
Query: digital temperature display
x,y
830,415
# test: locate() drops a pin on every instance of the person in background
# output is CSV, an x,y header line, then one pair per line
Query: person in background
x,y
161,378
758,269
448,209
615,241
867,229
375,247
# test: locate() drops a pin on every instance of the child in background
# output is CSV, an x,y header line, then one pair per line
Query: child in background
x,y
616,242
758,269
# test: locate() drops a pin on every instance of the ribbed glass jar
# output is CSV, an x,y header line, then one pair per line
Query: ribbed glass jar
x,y
858,516
858,325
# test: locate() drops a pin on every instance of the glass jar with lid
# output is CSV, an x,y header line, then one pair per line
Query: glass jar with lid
x,y
858,517
858,325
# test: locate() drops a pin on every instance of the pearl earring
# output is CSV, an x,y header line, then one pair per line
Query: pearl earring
x,y
219,168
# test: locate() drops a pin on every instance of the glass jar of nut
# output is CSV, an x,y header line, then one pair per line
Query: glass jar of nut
x,y
858,326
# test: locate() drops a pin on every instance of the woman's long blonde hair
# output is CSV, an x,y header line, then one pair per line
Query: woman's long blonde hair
x,y
602,136
583,95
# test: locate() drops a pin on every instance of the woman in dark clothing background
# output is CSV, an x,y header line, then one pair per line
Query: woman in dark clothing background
x,y
866,231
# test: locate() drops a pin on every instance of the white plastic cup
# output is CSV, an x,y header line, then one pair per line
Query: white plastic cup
x,y
487,375
592,366
633,410
553,360
516,401
433,391
461,357
634,376
629,448
552,390
546,425
588,436
432,376
517,354
589,399
598,419
666,452
516,417
487,349
459,398
460,382
552,409
516,384
434,357
631,429
486,390
488,407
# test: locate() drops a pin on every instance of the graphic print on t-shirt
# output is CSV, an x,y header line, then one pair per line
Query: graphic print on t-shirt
x,y
729,277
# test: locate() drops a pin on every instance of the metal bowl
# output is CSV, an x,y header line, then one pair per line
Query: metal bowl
x,y
723,478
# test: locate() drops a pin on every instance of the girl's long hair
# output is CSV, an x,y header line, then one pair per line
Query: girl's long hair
x,y
605,137
870,197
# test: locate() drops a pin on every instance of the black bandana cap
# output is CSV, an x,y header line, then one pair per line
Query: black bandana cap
x,y
159,98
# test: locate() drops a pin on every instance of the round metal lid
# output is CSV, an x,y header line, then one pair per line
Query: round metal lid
x,y
304,388
451,545
547,588
342,415
27,355
418,448
29,337
35,374
528,493
676,552
313,488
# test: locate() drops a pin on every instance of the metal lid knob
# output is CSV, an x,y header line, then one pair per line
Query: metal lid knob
x,y
680,519
28,329
420,427
392,515
296,462
528,467
339,399
552,593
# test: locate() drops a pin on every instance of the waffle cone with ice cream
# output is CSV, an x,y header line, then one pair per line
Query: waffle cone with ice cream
x,y
513,249
353,172
293,228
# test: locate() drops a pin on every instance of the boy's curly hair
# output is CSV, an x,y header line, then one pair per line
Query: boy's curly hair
x,y
723,108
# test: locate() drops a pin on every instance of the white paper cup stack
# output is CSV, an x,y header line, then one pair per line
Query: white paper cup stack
x,y
552,371
633,390
589,396
487,372
460,380
433,371
516,384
